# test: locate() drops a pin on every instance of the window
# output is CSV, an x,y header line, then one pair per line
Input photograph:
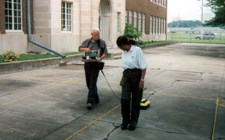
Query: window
x,y
118,22
164,2
150,25
157,25
139,21
143,23
13,15
135,20
165,25
162,28
153,25
130,17
66,16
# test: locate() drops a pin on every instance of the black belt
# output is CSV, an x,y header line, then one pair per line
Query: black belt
x,y
132,70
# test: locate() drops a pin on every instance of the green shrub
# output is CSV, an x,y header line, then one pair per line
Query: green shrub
x,y
132,32
10,56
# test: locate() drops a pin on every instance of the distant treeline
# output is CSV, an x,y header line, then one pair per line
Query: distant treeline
x,y
189,24
185,23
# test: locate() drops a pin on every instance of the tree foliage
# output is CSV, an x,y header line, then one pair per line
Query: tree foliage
x,y
185,23
132,32
218,8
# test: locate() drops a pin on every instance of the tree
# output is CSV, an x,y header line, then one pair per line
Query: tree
x,y
218,8
132,32
184,23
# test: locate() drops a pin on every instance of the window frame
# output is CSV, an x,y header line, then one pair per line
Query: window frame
x,y
143,23
135,19
13,24
139,21
66,14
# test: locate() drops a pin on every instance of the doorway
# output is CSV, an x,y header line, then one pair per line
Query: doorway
x,y
105,20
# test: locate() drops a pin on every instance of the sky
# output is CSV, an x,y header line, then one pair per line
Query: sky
x,y
187,10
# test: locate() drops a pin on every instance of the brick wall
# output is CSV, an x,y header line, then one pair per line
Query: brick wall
x,y
147,7
2,17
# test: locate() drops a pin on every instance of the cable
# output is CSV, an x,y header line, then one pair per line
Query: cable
x,y
109,85
116,94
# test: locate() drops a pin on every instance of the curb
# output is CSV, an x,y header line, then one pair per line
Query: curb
x,y
19,66
34,64
157,45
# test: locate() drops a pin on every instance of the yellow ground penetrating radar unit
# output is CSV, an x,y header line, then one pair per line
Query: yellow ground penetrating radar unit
x,y
145,104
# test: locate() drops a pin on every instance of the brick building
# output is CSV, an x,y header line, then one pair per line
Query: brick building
x,y
63,24
149,17
59,24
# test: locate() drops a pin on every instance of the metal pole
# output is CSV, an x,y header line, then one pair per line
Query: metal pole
x,y
30,40
202,20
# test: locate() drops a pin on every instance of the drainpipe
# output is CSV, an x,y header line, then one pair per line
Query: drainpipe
x,y
30,40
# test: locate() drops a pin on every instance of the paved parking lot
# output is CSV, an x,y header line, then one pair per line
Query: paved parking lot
x,y
187,80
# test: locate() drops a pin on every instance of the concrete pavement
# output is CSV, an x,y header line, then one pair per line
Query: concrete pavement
x,y
187,80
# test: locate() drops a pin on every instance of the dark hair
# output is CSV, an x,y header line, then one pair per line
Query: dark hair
x,y
123,40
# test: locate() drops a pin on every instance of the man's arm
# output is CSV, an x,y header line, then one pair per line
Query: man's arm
x,y
84,46
84,49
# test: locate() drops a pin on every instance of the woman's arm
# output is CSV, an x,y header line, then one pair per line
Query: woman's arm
x,y
142,81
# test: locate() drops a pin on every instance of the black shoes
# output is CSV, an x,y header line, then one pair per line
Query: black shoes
x,y
132,127
89,106
124,126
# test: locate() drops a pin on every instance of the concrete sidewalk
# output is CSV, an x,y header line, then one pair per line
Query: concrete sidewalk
x,y
187,80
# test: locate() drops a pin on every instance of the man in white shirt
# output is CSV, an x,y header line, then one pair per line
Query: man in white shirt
x,y
134,65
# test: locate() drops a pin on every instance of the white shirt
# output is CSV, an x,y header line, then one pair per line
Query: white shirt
x,y
134,59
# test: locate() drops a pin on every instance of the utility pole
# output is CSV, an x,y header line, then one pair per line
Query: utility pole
x,y
202,19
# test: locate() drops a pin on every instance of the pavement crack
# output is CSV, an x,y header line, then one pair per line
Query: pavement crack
x,y
116,126
163,131
175,81
159,73
64,125
220,138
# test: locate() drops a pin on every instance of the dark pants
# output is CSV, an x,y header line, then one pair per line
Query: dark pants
x,y
91,74
131,96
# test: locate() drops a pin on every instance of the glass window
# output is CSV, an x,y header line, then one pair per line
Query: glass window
x,y
157,25
153,25
165,25
139,21
150,25
130,17
66,16
135,20
143,23
13,15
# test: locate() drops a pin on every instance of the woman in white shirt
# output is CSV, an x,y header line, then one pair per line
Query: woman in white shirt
x,y
132,82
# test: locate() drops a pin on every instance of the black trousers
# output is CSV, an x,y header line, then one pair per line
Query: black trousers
x,y
91,74
131,96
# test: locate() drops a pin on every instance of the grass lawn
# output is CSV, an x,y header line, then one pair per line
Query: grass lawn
x,y
190,38
24,57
